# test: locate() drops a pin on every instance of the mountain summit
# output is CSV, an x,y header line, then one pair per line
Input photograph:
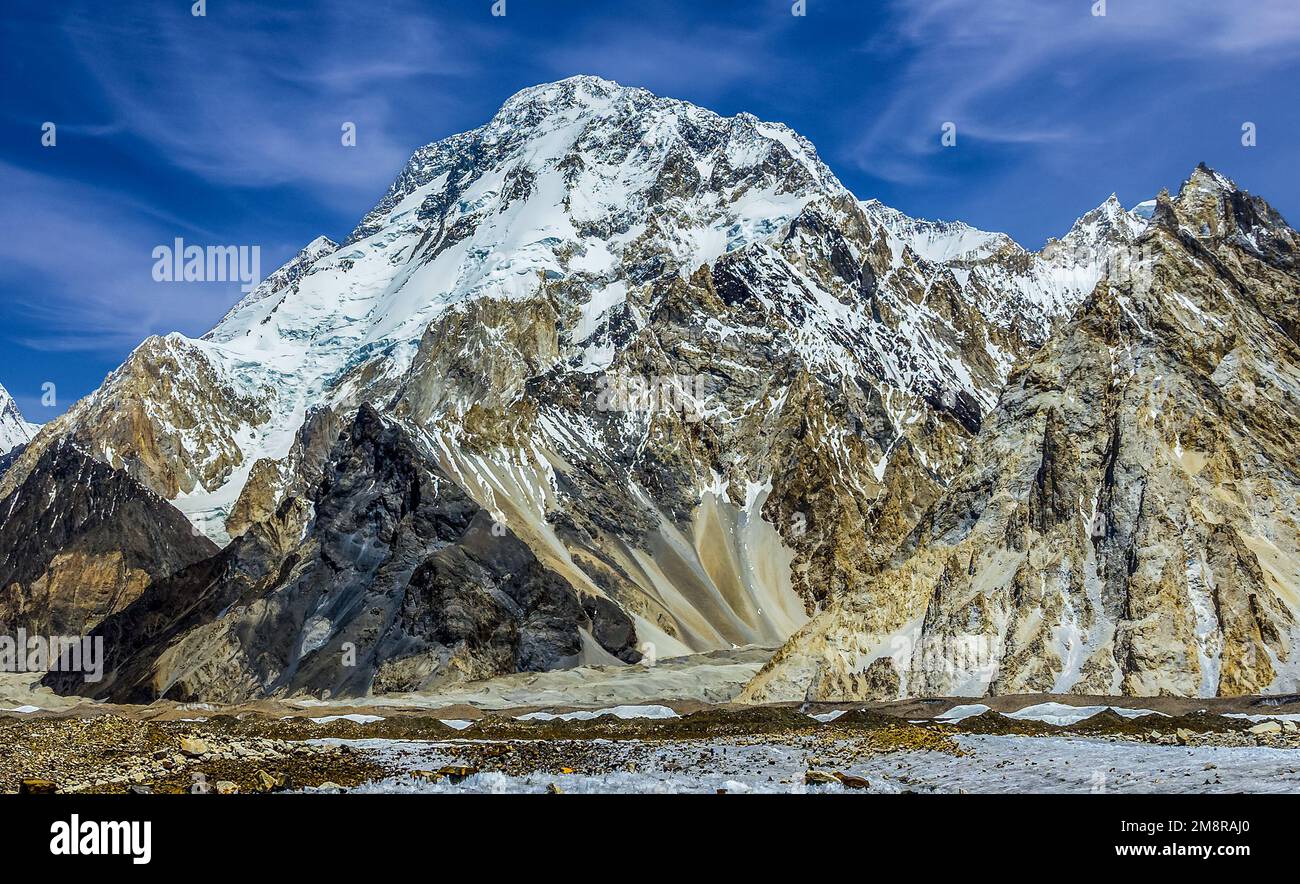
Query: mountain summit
x,y
14,431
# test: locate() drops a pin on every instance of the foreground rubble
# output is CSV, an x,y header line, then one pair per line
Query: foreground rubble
x,y
1047,746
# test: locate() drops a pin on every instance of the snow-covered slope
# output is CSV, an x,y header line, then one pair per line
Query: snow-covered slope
x,y
569,181
1013,287
14,431
938,241
284,277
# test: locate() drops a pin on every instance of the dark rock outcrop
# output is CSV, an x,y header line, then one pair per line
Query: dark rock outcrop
x,y
400,582
80,540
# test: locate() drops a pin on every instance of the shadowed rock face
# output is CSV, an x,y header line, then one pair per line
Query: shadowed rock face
x,y
1128,521
399,581
80,541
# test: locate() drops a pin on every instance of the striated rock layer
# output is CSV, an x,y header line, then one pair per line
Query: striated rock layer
x,y
1128,520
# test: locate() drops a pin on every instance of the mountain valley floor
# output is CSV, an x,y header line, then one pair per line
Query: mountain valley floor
x,y
513,735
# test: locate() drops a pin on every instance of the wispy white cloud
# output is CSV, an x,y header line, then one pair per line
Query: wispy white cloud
x,y
228,100
77,261
983,64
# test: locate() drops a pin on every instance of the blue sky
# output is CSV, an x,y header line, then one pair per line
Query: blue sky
x,y
224,129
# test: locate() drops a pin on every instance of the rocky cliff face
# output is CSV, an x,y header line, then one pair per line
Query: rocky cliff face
x,y
80,541
1128,520
395,581
708,392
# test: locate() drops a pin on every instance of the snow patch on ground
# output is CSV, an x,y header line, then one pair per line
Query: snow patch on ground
x,y
824,717
351,716
958,713
1283,716
992,764
1061,714
624,712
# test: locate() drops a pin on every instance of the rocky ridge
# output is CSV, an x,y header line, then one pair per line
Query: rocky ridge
x,y
1129,519
80,541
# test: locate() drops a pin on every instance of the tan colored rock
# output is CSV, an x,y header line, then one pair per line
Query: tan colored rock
x,y
849,781
819,778
1128,521
270,782
194,747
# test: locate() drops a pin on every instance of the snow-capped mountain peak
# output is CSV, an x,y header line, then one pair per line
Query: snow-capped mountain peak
x,y
584,182
1106,223
1209,205
579,204
14,430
